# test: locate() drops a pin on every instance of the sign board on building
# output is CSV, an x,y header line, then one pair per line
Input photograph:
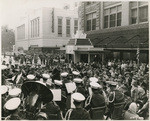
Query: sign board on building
x,y
70,49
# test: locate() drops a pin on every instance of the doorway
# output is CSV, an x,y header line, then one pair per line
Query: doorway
x,y
84,58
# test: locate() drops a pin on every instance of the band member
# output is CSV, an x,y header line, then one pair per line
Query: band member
x,y
13,109
96,102
80,87
52,111
79,113
116,102
4,90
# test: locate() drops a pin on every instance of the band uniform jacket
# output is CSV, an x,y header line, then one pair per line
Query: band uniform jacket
x,y
116,104
52,110
77,114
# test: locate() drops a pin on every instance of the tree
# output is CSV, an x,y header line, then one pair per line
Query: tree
x,y
8,39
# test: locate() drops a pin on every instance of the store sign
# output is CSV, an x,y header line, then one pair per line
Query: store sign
x,y
70,49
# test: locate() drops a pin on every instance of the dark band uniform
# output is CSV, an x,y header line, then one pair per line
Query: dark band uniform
x,y
97,103
78,113
116,103
13,109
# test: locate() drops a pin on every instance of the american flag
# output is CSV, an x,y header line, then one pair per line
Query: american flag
x,y
138,53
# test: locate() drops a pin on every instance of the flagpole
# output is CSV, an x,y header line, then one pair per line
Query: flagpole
x,y
138,53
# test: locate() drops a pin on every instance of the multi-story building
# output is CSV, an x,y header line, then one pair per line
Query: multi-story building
x,y
46,28
121,29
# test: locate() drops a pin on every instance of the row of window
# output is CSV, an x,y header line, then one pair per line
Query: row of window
x,y
139,12
35,27
21,32
68,26
113,15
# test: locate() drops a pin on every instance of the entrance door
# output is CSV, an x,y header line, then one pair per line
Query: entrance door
x,y
84,58
71,58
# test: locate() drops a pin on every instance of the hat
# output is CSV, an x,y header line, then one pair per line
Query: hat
x,y
119,80
58,82
112,83
4,89
46,76
64,74
30,77
75,73
42,114
16,70
62,60
133,107
95,85
126,73
14,92
12,104
55,60
78,97
93,79
77,80
3,67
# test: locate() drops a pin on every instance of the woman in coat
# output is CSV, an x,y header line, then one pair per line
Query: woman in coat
x,y
131,113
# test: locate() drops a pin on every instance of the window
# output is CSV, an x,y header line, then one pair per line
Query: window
x,y
89,25
143,14
119,19
68,27
31,29
75,26
134,16
35,27
38,27
112,16
139,12
59,26
94,24
106,21
90,3
91,22
112,20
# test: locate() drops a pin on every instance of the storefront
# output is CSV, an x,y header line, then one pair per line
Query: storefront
x,y
123,42
82,50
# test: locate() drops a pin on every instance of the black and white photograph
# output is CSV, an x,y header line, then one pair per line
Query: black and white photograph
x,y
74,60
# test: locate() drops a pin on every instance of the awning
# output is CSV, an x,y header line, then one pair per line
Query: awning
x,y
125,37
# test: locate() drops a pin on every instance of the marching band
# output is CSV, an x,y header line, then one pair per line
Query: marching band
x,y
59,90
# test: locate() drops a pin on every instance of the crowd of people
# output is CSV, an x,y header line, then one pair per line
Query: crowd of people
x,y
113,90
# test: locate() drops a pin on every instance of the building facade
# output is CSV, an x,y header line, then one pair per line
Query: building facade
x,y
46,28
120,28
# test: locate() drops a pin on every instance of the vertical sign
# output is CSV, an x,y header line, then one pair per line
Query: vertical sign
x,y
52,20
